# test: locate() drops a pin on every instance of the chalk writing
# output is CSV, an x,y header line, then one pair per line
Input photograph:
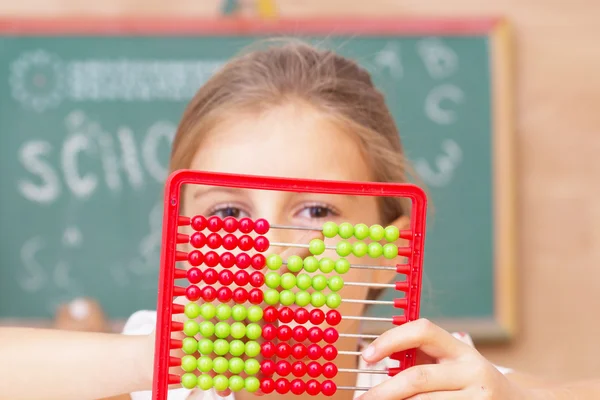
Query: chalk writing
x,y
440,60
434,100
446,164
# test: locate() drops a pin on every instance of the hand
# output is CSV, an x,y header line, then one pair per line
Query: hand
x,y
458,370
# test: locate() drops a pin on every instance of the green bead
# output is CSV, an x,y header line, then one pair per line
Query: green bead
x,y
342,266
236,383
330,229
252,384
326,265
205,346
255,313
335,283
205,382
189,345
205,364
207,329
294,263
343,248
192,310
238,330
190,328
223,312
303,281
188,363
319,282
392,233
318,299
252,366
221,347
316,247
236,365
302,298
271,297
272,279
361,231
311,264
346,230
222,330
237,347
333,300
274,261
220,365
359,249
287,297
253,331
239,312
252,349
390,251
220,383
376,232
375,250
208,311
189,380
288,280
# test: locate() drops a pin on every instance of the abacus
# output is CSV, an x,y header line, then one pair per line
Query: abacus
x,y
260,344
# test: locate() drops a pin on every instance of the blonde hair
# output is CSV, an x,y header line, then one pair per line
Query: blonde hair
x,y
295,71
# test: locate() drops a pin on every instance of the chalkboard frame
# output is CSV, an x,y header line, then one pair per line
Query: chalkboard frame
x,y
503,324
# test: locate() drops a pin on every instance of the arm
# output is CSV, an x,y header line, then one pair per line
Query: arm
x,y
53,364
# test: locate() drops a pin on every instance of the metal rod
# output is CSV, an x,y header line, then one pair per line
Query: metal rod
x,y
358,335
355,388
360,266
363,371
374,302
300,228
357,318
370,284
349,353
299,245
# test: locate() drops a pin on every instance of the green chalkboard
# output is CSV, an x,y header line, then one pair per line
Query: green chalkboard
x,y
87,113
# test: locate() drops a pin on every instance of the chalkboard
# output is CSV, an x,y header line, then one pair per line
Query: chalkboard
x,y
88,110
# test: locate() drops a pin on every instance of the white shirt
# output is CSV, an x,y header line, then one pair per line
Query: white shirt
x,y
144,323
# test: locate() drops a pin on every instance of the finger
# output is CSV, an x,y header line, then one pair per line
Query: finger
x,y
445,395
422,335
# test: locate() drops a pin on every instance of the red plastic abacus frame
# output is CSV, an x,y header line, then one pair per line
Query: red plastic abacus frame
x,y
172,220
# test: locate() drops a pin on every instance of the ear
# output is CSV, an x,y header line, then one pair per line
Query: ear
x,y
386,276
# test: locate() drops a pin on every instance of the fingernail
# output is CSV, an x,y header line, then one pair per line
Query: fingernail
x,y
369,352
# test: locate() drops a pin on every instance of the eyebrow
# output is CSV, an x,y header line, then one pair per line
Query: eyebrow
x,y
202,191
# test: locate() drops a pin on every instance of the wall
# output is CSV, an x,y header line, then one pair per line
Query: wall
x,y
558,142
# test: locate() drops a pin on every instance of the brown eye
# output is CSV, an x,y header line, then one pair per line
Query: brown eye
x,y
319,212
225,212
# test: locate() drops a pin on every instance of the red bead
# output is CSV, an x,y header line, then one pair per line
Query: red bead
x,y
209,293
240,295
261,244
329,370
245,243
317,316
211,259
313,387
313,369
225,277
198,223
195,258
297,386
241,278
283,368
329,352
284,333
330,335
198,240
255,296
286,315
246,225
230,224
301,315
298,369
333,317
261,226
282,386
268,367
194,275
227,260
270,314
315,334
299,351
193,293
214,223
283,350
214,241
269,332
210,276
224,294
230,241
258,261
243,260
267,386
300,333
328,388
257,279
267,349
314,351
